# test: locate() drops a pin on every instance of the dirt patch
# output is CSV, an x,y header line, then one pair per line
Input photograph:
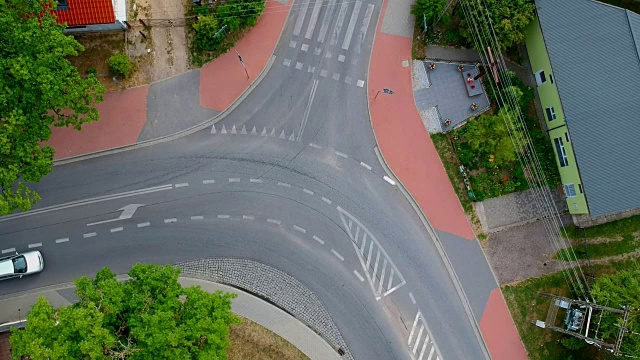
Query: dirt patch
x,y
252,341
98,47
171,56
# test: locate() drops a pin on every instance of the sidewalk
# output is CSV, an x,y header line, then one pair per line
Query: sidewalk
x,y
178,103
246,305
409,152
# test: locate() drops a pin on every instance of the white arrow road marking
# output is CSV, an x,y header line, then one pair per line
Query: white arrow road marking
x,y
127,213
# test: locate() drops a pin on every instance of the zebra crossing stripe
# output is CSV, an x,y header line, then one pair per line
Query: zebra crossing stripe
x,y
338,27
314,19
352,25
326,20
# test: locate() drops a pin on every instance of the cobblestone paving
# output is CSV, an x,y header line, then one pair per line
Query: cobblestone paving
x,y
274,285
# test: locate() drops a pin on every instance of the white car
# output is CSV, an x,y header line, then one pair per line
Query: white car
x,y
21,264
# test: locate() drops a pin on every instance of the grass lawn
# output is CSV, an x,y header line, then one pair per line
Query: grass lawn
x,y
526,306
252,341
614,229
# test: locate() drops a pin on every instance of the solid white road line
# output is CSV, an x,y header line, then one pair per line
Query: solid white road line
x,y
307,191
88,235
314,19
326,200
117,229
305,118
300,20
298,228
144,224
198,217
205,182
365,166
8,250
88,201
181,185
284,184
358,275
328,14
413,300
172,220
338,27
318,240
342,154
223,216
31,246
273,221
352,25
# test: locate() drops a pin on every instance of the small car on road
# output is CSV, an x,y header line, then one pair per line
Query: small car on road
x,y
18,265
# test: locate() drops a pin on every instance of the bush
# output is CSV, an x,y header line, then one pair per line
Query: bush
x,y
206,28
237,14
120,64
452,35
573,343
92,71
430,9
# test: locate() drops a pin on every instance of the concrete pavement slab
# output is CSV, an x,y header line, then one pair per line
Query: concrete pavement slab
x,y
122,117
224,80
398,19
174,105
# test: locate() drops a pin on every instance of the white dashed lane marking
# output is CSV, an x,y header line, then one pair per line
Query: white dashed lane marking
x,y
364,165
298,228
223,216
389,180
342,154
234,180
318,240
197,217
88,235
167,221
315,146
182,185
257,181
144,224
326,200
284,184
307,191
117,229
211,181
273,221
337,255
413,300
8,250
246,217
358,275
58,241
31,246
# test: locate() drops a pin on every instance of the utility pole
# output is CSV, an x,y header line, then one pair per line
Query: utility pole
x,y
242,63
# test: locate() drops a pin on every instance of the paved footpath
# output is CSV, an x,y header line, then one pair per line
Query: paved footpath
x,y
411,155
178,103
246,305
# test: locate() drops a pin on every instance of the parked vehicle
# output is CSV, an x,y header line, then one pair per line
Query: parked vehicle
x,y
18,265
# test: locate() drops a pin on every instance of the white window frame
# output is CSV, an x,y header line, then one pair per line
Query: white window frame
x,y
551,113
539,79
562,156
569,190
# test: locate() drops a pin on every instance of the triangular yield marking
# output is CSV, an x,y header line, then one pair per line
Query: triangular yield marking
x,y
273,132
264,132
224,130
282,135
292,137
244,130
213,129
253,132
233,129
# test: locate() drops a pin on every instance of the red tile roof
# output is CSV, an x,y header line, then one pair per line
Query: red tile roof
x,y
87,12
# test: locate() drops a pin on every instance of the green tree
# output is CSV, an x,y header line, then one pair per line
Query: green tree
x,y
506,18
616,290
430,9
149,316
38,88
489,135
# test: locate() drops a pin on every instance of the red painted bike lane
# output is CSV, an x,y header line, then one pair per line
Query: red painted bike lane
x,y
410,153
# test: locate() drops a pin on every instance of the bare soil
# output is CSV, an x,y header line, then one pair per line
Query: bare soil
x,y
252,341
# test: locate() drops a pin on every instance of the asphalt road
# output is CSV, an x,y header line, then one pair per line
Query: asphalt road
x,y
299,200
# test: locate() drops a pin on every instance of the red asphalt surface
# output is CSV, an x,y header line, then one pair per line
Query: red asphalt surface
x,y
123,114
224,80
409,151
122,117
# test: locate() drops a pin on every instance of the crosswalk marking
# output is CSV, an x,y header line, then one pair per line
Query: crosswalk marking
x,y
360,83
336,76
299,66
338,27
293,44
304,47
326,20
323,73
286,62
328,55
341,58
384,278
420,324
314,19
365,26
300,20
352,25
348,80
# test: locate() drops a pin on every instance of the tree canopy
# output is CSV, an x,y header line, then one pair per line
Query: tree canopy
x,y
429,10
150,316
506,18
616,290
38,88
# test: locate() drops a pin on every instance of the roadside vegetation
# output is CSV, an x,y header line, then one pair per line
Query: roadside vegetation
x,y
218,27
616,284
252,341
